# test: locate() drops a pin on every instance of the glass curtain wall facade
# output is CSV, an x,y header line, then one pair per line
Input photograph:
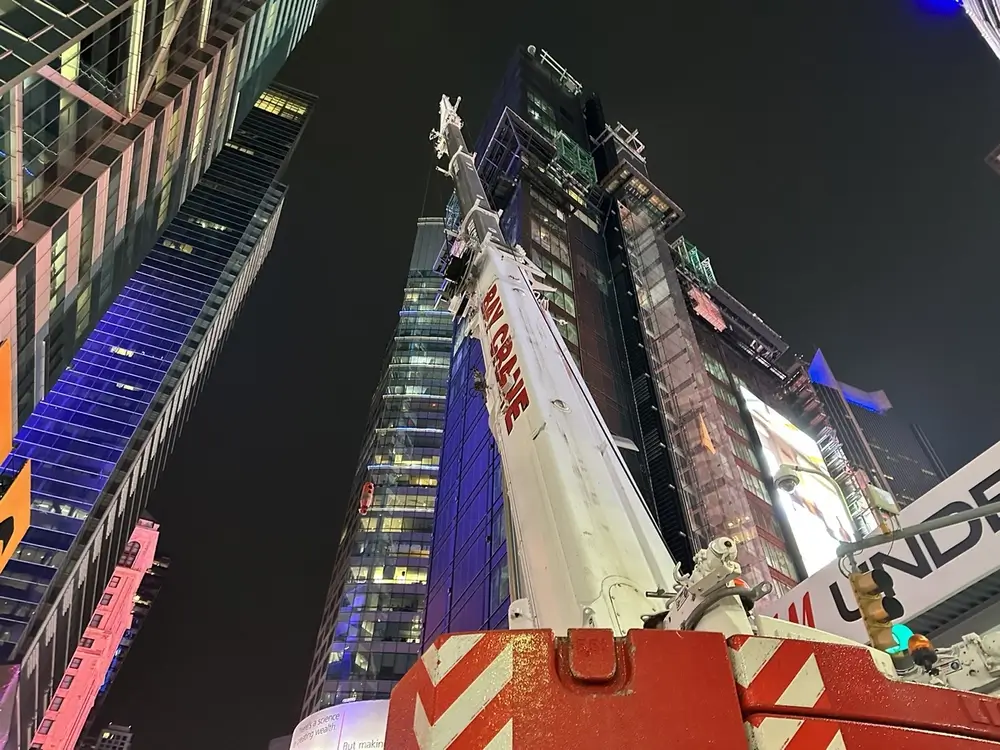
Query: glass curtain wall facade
x,y
372,622
110,111
729,369
98,440
985,14
112,737
703,345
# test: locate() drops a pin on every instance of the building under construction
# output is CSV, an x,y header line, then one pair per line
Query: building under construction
x,y
655,336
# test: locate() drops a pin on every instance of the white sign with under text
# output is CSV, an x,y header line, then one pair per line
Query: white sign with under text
x,y
926,569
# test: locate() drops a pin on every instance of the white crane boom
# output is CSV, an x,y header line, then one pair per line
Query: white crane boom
x,y
583,549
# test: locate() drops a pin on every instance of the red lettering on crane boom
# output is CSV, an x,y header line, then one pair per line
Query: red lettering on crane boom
x,y
492,309
503,359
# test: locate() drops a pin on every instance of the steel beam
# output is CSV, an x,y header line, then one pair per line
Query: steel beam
x,y
166,39
51,74
16,155
848,549
107,18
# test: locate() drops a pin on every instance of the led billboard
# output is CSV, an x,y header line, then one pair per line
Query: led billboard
x,y
816,515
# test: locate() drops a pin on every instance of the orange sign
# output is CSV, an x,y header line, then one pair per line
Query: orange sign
x,y
15,514
15,501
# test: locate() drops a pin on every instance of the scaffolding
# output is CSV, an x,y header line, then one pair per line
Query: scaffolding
x,y
625,140
693,260
578,162
558,72
515,144
800,394
709,483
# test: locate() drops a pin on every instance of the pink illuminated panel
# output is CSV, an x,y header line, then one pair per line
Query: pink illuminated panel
x,y
63,721
706,309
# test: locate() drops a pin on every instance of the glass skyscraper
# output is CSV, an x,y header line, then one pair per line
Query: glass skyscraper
x,y
985,14
111,111
99,438
372,622
115,115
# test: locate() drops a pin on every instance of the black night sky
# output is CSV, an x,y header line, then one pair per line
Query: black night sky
x,y
829,156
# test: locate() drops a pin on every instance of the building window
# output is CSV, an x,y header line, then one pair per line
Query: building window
x,y
95,621
753,485
87,642
278,104
778,559
764,519
569,332
128,557
115,580
75,663
550,237
716,368
56,703
539,200
742,451
66,682
780,587
499,586
206,224
106,599
45,726
556,272
541,112
724,394
735,424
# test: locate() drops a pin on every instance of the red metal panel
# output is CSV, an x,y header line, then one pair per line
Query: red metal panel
x,y
528,689
830,680
789,733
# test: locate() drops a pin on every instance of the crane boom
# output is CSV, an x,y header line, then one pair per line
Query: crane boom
x,y
586,558
583,548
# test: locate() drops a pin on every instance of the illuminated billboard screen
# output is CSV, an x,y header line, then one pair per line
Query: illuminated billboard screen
x,y
816,515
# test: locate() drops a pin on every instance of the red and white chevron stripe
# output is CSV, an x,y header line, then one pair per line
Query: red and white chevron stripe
x,y
788,676
465,680
785,733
